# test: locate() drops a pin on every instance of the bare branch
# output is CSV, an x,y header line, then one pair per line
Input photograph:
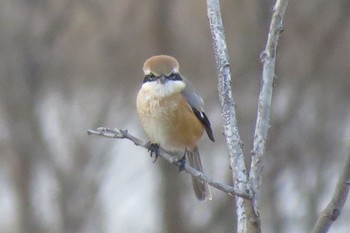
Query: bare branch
x,y
124,134
335,206
268,57
228,114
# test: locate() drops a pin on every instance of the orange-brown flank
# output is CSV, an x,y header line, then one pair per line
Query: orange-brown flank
x,y
187,129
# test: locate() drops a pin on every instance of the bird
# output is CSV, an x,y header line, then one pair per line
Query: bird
x,y
171,112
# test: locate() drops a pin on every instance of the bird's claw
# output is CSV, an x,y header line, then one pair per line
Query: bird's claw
x,y
153,148
181,163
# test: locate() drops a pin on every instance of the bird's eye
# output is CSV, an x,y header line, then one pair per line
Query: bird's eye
x,y
149,78
175,76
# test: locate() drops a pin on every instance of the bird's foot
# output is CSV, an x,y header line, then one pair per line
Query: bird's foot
x,y
181,163
153,148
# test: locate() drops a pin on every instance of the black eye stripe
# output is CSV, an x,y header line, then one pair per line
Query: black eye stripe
x,y
149,78
175,76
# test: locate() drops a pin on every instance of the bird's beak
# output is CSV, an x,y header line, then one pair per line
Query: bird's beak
x,y
162,79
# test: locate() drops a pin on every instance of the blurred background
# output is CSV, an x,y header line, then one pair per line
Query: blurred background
x,y
67,66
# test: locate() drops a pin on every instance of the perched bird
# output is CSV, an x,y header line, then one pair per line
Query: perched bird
x,y
172,115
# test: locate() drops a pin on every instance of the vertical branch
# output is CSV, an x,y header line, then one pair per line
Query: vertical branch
x,y
335,206
268,57
239,173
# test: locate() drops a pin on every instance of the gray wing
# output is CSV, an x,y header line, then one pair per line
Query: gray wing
x,y
192,96
196,103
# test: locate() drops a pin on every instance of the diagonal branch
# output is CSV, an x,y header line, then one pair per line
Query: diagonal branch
x,y
335,206
268,57
124,134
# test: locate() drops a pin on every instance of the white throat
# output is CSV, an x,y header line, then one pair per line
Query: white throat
x,y
170,87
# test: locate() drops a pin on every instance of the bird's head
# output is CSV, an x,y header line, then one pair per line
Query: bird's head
x,y
162,75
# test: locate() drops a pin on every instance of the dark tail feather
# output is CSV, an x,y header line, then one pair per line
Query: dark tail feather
x,y
201,189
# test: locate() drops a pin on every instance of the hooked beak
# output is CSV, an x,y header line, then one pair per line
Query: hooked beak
x,y
162,79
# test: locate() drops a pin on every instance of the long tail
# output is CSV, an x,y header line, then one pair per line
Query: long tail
x,y
201,188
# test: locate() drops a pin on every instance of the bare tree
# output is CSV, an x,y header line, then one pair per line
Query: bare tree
x,y
246,184
70,65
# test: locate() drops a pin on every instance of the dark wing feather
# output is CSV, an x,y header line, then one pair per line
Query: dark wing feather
x,y
205,121
195,101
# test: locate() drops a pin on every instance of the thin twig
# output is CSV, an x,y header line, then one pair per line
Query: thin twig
x,y
268,57
124,134
330,214
228,114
